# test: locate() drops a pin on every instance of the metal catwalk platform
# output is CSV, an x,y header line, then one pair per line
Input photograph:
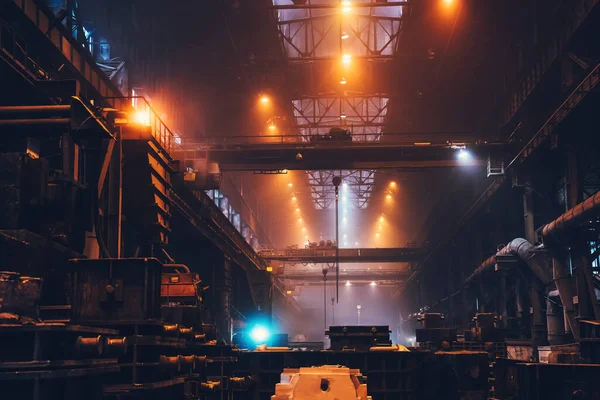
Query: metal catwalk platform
x,y
406,254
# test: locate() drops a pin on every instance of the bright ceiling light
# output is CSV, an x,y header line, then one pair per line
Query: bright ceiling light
x,y
345,36
377,234
346,6
294,198
348,283
272,127
303,229
389,196
297,209
343,116
343,81
356,243
299,219
346,58
264,99
373,283
381,219
290,184
392,184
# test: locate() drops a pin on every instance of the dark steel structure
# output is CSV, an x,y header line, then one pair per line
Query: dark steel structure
x,y
130,267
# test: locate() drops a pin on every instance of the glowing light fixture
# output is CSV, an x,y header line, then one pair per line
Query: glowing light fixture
x,y
288,292
299,219
294,198
260,334
345,36
343,81
389,196
348,283
346,59
290,184
464,155
346,6
373,283
142,117
343,116
272,127
297,209
303,229
377,234
392,184
264,99
381,219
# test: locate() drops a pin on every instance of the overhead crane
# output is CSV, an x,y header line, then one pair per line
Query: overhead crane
x,y
298,153
382,255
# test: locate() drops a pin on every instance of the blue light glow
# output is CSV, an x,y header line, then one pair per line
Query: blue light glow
x,y
260,334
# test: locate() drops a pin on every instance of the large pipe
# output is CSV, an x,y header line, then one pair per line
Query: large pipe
x,y
538,264
64,110
38,121
554,319
524,250
571,219
566,291
581,212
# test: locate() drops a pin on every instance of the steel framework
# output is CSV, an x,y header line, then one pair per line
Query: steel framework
x,y
325,31
364,116
316,32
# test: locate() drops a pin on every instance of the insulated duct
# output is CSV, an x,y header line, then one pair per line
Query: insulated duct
x,y
572,218
525,251
538,264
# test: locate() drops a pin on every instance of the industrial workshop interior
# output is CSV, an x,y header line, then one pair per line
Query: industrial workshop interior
x,y
300,199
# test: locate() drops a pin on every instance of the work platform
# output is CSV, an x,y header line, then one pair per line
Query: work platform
x,y
296,152
315,256
353,277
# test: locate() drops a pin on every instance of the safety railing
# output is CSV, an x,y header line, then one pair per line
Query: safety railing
x,y
15,48
59,36
408,139
140,111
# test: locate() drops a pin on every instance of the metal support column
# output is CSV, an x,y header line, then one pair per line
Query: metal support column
x,y
528,213
115,200
222,297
